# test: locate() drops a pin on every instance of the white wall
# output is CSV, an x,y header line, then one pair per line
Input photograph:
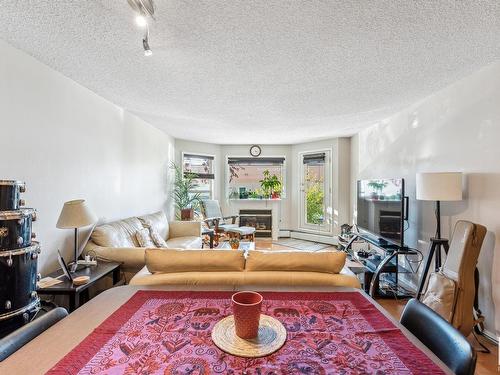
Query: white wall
x,y
66,142
456,129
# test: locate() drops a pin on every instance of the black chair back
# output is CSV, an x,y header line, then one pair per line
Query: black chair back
x,y
20,337
444,340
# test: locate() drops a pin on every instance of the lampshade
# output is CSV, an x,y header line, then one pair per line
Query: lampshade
x,y
446,186
75,214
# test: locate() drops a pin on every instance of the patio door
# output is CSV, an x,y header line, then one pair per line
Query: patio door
x,y
316,191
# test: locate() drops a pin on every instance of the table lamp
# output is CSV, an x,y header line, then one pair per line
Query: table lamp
x,y
438,187
75,214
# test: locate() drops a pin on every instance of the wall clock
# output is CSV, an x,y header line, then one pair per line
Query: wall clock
x,y
255,150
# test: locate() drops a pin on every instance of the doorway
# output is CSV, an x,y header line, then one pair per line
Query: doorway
x,y
315,208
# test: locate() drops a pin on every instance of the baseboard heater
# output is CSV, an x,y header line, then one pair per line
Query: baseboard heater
x,y
330,240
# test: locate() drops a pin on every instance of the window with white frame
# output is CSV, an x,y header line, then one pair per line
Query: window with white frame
x,y
255,177
203,167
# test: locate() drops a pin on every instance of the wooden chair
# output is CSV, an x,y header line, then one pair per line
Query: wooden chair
x,y
444,340
215,220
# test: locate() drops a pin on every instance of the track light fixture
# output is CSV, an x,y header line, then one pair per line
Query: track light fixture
x,y
145,44
141,21
144,9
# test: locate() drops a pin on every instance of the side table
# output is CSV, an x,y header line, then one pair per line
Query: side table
x,y
75,293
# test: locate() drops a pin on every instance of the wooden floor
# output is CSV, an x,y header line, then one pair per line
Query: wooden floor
x,y
486,363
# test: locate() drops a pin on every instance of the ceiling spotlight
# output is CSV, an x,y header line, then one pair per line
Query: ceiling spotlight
x,y
147,50
141,21
144,11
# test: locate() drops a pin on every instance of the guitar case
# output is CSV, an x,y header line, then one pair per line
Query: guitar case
x,y
451,291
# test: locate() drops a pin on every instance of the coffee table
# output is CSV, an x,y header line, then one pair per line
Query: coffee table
x,y
244,245
242,233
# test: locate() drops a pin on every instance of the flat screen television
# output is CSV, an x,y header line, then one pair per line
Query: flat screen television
x,y
381,210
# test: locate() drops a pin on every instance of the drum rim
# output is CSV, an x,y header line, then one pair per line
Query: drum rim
x,y
16,214
22,310
35,246
11,182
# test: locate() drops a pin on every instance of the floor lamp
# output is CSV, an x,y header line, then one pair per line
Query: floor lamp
x,y
74,215
437,187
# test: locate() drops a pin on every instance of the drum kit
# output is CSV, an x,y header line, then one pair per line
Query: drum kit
x,y
19,302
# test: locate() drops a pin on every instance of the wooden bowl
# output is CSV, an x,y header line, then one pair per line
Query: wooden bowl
x,y
81,280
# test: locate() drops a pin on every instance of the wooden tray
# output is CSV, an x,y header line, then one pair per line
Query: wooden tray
x,y
271,337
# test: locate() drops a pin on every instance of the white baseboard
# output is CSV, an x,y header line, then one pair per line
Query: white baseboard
x,y
284,233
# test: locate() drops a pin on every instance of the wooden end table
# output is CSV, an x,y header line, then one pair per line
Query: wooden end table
x,y
74,292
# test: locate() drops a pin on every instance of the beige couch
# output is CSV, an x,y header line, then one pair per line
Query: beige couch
x,y
117,241
253,269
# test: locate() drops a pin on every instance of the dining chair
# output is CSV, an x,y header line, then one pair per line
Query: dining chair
x,y
214,218
20,337
444,340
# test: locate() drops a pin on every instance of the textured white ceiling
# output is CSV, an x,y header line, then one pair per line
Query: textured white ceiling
x,y
260,71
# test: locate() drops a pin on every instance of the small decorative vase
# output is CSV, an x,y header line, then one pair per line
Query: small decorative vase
x,y
246,310
234,243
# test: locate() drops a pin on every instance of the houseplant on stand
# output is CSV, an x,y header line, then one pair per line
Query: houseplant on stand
x,y
185,201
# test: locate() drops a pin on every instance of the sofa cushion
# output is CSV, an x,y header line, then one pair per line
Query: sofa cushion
x,y
187,242
118,233
158,240
217,279
171,261
144,238
277,279
157,221
319,261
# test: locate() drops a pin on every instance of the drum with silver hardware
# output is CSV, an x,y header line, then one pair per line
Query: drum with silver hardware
x,y
10,194
15,228
18,278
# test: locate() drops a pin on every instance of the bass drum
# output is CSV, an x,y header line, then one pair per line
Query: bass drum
x,y
10,195
18,277
15,228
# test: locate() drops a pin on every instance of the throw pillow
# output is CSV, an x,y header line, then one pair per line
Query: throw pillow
x,y
157,239
144,238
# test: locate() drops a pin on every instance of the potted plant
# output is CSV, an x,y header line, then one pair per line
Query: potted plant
x,y
185,201
271,185
234,243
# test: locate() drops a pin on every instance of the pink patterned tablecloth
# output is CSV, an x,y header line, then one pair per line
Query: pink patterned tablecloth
x,y
159,332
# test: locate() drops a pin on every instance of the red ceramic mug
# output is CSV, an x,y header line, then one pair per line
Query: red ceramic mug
x,y
246,310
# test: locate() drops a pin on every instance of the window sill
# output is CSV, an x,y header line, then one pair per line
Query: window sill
x,y
256,199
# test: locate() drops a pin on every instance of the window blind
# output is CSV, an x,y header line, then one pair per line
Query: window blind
x,y
199,165
256,161
318,158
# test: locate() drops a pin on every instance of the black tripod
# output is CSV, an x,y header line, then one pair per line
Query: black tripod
x,y
435,249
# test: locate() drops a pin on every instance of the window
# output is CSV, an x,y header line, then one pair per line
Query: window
x,y
203,167
256,178
315,189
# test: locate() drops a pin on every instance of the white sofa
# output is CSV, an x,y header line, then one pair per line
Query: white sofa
x,y
117,241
